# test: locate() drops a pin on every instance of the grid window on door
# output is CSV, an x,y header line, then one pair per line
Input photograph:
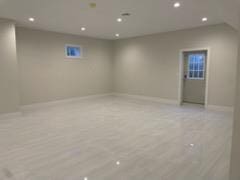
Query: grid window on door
x,y
196,66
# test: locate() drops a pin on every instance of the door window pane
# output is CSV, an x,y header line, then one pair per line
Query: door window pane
x,y
201,75
195,73
196,66
201,66
191,67
190,74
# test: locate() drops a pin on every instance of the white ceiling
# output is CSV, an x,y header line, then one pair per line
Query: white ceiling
x,y
147,16
230,11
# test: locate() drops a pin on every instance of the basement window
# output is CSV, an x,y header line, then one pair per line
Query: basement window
x,y
196,66
73,51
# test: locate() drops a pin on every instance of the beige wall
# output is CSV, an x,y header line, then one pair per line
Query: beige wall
x,y
149,65
235,163
46,75
9,97
146,65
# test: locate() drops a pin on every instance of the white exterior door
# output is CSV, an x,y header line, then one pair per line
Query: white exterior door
x,y
194,77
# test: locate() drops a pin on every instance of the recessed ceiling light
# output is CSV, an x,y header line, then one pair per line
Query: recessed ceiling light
x,y
119,20
177,4
117,35
83,29
31,19
204,19
192,145
85,178
118,163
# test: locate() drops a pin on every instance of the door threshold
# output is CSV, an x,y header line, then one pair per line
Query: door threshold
x,y
193,104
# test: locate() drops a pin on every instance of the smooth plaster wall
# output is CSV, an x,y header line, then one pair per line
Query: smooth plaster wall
x,y
149,65
235,161
47,75
9,97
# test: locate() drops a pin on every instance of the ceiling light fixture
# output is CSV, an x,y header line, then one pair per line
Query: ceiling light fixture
x,y
117,35
31,19
204,19
118,163
85,178
177,4
119,20
83,29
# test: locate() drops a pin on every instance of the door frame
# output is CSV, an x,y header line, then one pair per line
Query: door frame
x,y
181,73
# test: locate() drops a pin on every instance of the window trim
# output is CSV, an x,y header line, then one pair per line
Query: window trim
x,y
73,57
188,69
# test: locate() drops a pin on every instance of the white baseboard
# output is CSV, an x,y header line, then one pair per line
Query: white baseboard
x,y
148,98
220,108
63,101
173,102
10,115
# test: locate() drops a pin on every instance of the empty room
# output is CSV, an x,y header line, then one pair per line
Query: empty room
x,y
119,90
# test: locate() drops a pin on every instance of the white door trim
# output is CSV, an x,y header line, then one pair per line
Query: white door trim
x,y
181,70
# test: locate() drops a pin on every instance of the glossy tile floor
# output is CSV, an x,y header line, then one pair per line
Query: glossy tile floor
x,y
113,138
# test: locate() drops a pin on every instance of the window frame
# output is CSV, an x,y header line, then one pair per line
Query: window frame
x,y
189,70
75,46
